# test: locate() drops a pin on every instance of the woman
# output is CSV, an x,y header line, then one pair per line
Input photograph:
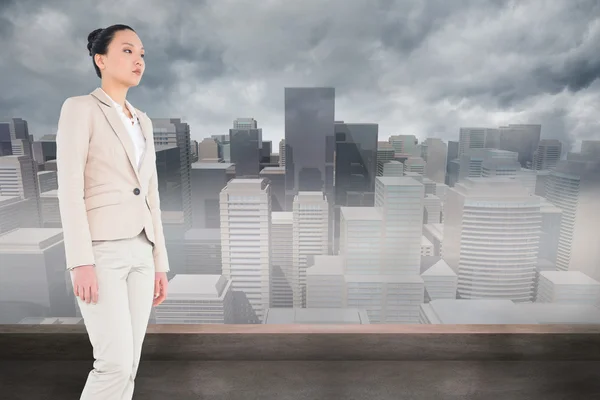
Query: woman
x,y
110,211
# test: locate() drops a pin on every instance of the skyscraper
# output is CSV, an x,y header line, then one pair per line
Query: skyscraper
x,y
18,177
471,138
491,238
401,200
208,179
208,149
245,210
311,234
355,165
309,141
282,246
246,143
522,139
171,131
574,187
435,154
547,154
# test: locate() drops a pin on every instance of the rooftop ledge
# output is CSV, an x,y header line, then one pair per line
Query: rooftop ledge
x,y
319,342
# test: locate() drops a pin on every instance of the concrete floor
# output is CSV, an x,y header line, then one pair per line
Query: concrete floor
x,y
343,380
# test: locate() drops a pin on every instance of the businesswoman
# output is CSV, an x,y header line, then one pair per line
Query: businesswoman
x,y
110,211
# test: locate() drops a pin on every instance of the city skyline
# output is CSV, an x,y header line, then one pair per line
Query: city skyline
x,y
407,69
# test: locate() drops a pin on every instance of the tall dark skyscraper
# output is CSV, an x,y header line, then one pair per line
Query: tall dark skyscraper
x,y
265,151
173,132
246,144
355,159
309,141
355,167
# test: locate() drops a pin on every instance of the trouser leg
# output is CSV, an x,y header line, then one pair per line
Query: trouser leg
x,y
140,283
108,323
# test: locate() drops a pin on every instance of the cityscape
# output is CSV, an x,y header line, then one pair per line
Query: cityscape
x,y
336,223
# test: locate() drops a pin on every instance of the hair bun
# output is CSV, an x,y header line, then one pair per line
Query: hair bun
x,y
92,38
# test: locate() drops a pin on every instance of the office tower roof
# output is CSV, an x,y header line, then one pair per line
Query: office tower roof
x,y
475,311
569,278
440,268
282,217
203,234
399,181
361,213
197,287
30,239
326,265
207,165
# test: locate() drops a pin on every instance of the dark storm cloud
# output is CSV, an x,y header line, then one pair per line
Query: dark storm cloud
x,y
421,67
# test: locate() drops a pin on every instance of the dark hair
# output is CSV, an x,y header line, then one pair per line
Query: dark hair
x,y
99,39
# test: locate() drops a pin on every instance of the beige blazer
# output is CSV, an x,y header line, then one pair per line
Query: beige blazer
x,y
101,193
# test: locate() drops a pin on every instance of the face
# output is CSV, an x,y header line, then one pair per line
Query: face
x,y
124,60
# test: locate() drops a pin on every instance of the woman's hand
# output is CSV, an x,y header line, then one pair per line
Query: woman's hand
x,y
160,287
85,283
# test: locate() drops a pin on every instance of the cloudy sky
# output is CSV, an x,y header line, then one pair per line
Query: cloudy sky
x,y
415,67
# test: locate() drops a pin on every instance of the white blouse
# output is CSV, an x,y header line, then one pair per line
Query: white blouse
x,y
133,128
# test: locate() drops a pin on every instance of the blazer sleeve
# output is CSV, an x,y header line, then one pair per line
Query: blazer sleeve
x,y
161,260
72,144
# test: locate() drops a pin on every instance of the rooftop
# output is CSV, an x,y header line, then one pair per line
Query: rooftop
x,y
569,278
440,268
30,239
475,311
202,165
191,286
361,213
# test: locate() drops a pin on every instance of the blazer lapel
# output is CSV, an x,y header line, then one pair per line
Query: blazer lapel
x,y
118,127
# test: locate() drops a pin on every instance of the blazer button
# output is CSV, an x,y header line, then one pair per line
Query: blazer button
x,y
136,191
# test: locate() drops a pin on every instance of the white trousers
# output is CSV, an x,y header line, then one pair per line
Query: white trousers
x,y
117,323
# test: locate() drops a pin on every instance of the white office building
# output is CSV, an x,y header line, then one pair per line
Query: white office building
x,y
491,238
572,287
18,177
574,187
393,168
197,299
282,153
435,234
50,209
310,237
388,299
282,245
432,212
415,164
245,208
401,200
427,249
13,211
360,239
474,311
33,271
561,313
440,282
47,180
325,284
